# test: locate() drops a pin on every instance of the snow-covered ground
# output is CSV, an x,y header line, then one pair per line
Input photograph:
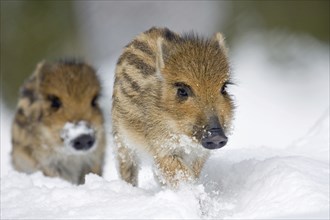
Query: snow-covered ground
x,y
276,164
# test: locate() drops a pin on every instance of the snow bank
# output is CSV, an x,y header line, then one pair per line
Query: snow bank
x,y
270,188
276,185
39,197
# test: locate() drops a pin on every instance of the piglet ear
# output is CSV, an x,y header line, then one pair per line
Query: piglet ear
x,y
40,66
220,40
159,56
43,67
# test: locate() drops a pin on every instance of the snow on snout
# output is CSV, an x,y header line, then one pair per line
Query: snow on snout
x,y
71,131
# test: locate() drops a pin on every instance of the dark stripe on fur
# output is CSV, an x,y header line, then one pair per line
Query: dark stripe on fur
x,y
144,47
28,93
125,93
169,35
136,61
21,121
20,111
134,99
20,118
134,85
165,33
121,110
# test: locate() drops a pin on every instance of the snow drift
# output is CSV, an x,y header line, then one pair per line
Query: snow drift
x,y
248,185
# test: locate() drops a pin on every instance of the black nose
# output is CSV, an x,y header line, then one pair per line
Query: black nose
x,y
83,142
214,139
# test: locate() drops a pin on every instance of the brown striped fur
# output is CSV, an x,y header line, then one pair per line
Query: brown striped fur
x,y
36,130
149,118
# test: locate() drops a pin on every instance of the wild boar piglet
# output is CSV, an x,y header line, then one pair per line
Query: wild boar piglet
x,y
58,127
170,104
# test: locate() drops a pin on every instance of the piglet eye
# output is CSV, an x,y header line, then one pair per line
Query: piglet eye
x,y
94,101
55,102
223,89
183,91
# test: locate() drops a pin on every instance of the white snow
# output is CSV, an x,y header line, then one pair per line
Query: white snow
x,y
276,164
71,131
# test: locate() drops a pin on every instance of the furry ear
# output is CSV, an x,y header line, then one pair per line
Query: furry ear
x,y
43,67
219,38
159,56
40,66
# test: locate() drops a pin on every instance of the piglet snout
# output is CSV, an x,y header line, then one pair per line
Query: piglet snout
x,y
83,142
